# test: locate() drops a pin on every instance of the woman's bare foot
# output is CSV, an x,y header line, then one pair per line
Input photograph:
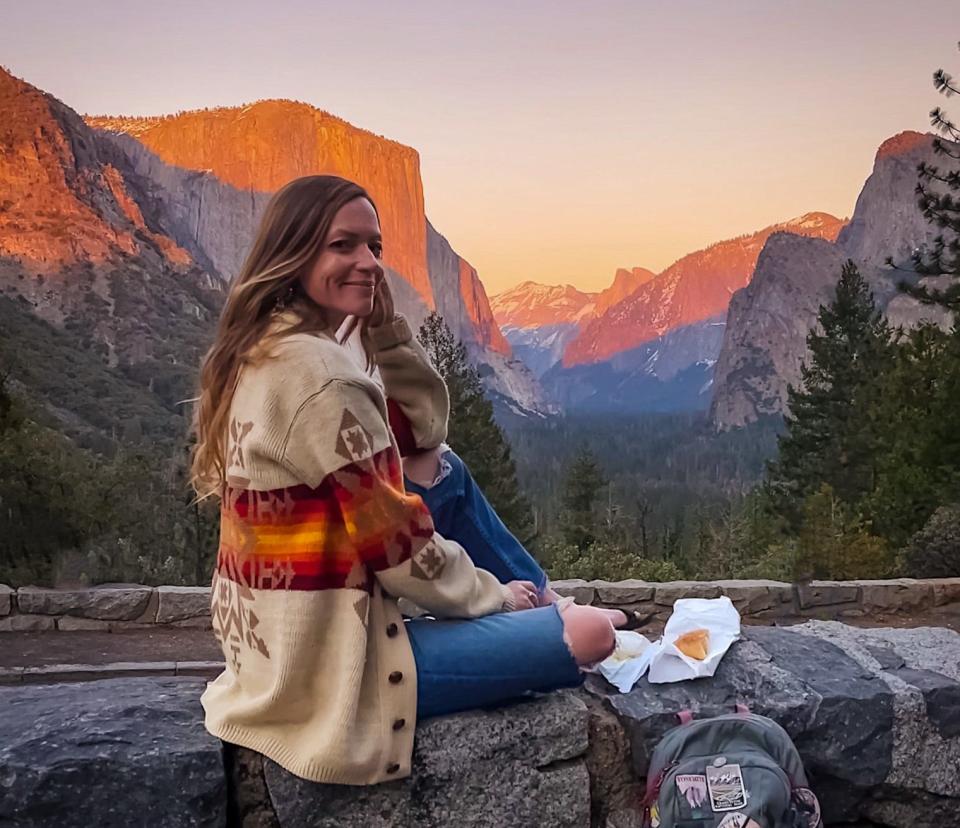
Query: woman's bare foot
x,y
589,631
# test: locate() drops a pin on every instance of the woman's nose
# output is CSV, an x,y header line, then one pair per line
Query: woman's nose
x,y
367,261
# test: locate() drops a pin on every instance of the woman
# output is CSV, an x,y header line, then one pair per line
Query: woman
x,y
319,537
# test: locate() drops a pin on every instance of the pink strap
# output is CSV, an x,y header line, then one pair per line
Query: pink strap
x,y
742,709
685,717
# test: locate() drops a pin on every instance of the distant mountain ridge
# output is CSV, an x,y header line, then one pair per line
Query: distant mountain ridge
x,y
539,320
630,350
693,288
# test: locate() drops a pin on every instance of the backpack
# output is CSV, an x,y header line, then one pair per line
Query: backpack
x,y
733,771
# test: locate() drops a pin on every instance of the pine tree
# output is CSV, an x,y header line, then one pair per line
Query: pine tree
x,y
833,544
472,431
940,208
918,448
581,489
831,435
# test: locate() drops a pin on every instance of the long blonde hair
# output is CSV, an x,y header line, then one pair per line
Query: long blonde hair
x,y
290,237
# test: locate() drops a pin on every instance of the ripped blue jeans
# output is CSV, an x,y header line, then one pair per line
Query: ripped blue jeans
x,y
483,662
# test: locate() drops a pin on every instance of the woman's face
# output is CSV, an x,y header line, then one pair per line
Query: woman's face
x,y
345,275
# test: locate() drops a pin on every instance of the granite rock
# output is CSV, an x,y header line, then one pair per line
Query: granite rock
x,y
27,623
875,713
827,593
583,592
751,597
895,595
104,603
624,593
178,603
670,591
109,753
521,765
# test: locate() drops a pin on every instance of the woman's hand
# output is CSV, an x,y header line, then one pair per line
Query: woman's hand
x,y
522,596
383,310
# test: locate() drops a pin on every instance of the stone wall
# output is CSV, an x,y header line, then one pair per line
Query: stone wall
x,y
875,715
773,600
117,607
108,608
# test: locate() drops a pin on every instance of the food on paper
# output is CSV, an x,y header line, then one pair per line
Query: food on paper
x,y
694,644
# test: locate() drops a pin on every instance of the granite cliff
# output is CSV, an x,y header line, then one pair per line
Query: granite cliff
x,y
80,249
127,231
768,320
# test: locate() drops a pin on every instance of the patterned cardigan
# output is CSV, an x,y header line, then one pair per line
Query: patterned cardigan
x,y
318,539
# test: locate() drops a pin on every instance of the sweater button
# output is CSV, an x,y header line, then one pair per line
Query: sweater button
x,y
392,630
393,768
399,724
395,677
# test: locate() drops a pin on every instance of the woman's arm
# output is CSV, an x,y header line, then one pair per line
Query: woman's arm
x,y
416,391
338,444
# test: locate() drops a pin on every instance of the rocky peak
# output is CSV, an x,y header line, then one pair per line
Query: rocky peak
x,y
62,203
531,305
624,283
694,288
902,143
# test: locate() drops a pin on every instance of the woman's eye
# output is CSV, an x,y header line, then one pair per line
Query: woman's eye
x,y
377,250
340,244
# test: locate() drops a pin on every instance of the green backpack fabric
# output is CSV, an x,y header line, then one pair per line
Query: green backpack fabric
x,y
734,771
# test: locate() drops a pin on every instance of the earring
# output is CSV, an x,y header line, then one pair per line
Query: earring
x,y
284,299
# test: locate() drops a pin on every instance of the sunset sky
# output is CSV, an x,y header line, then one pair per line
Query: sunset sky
x,y
558,140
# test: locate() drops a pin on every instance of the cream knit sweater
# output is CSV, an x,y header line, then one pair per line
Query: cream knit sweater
x,y
318,540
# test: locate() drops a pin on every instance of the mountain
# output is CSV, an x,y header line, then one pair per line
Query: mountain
x,y
532,305
257,148
625,282
111,236
694,288
769,319
540,320
79,248
656,349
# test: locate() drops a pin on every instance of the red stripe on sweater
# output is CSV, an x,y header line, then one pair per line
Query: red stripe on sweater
x,y
358,521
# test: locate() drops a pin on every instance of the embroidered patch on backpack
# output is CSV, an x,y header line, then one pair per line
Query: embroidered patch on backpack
x,y
693,786
725,784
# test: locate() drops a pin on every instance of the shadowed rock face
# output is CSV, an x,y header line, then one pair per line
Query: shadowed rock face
x,y
770,318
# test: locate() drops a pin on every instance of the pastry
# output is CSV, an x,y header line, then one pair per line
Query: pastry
x,y
693,644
